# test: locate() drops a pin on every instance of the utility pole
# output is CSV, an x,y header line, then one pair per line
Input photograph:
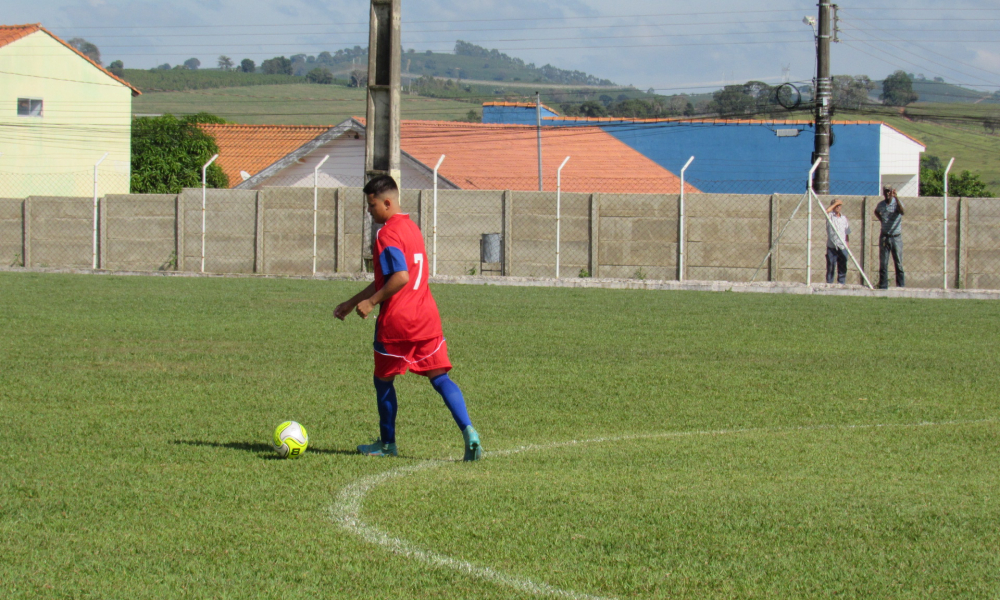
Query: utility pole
x,y
824,101
538,128
382,123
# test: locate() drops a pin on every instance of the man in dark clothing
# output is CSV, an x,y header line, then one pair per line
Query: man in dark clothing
x,y
889,212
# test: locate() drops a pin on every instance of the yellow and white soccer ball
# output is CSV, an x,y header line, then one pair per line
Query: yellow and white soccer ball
x,y
290,440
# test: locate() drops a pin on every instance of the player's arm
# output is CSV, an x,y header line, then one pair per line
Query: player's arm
x,y
899,205
396,282
344,308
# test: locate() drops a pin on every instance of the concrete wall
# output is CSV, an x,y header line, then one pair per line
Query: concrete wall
x,y
463,216
979,243
286,229
60,231
11,232
139,232
604,235
230,231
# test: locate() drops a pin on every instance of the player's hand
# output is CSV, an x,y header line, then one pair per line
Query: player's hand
x,y
364,308
343,309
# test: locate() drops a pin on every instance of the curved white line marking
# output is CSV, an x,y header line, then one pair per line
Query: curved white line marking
x,y
347,510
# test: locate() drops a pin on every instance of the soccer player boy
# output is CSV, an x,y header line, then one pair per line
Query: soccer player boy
x,y
408,333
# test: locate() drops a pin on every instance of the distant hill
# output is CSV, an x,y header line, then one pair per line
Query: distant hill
x,y
179,80
468,62
939,92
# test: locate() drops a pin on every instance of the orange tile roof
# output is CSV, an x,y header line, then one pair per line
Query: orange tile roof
x,y
478,156
252,148
12,33
494,157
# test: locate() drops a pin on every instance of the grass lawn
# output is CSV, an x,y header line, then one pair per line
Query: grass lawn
x,y
778,446
292,104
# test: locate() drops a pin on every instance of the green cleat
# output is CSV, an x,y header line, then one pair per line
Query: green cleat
x,y
473,449
378,449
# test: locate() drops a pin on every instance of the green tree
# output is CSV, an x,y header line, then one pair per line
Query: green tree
x,y
192,63
732,100
320,75
851,92
965,184
117,68
87,49
225,63
897,90
247,66
593,108
279,65
168,154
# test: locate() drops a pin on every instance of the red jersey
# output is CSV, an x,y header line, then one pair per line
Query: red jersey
x,y
410,315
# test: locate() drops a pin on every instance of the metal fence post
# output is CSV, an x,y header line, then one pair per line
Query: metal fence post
x,y
204,182
316,206
434,221
97,164
944,264
809,224
595,234
26,233
559,209
680,225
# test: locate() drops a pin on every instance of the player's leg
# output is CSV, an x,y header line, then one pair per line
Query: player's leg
x,y
841,266
386,369
455,401
433,363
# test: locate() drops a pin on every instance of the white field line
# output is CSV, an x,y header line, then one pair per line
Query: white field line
x,y
347,510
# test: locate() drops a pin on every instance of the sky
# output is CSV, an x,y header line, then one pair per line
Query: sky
x,y
672,47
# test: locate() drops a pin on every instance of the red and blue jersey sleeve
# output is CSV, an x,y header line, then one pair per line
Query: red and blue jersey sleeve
x,y
411,313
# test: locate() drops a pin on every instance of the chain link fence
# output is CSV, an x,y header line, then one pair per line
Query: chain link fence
x,y
613,231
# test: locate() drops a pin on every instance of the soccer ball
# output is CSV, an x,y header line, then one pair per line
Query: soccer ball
x,y
290,440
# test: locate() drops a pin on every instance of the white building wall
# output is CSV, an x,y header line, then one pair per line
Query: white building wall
x,y
899,161
85,114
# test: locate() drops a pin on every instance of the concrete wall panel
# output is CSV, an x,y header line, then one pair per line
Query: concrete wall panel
x,y
654,254
62,230
11,232
662,206
726,206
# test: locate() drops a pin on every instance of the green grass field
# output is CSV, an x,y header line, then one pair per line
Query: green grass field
x,y
291,104
727,445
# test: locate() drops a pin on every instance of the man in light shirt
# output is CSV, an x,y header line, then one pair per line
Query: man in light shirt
x,y
837,232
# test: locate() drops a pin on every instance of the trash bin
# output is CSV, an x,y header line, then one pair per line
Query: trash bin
x,y
489,248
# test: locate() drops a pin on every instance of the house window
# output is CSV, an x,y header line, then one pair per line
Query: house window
x,y
29,107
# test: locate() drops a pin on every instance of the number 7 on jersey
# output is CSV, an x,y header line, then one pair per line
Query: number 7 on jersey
x,y
419,259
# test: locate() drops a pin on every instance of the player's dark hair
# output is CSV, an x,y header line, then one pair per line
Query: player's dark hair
x,y
380,185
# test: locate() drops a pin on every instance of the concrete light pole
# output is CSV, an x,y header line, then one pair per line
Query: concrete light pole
x,y
824,101
382,123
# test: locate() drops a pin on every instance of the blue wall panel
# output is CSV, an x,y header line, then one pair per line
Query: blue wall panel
x,y
740,158
513,115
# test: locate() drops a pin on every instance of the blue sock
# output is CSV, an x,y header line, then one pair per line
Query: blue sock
x,y
385,396
452,399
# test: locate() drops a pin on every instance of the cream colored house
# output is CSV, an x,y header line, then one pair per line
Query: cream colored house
x,y
60,113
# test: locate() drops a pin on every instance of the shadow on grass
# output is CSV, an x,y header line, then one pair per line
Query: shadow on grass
x,y
259,448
